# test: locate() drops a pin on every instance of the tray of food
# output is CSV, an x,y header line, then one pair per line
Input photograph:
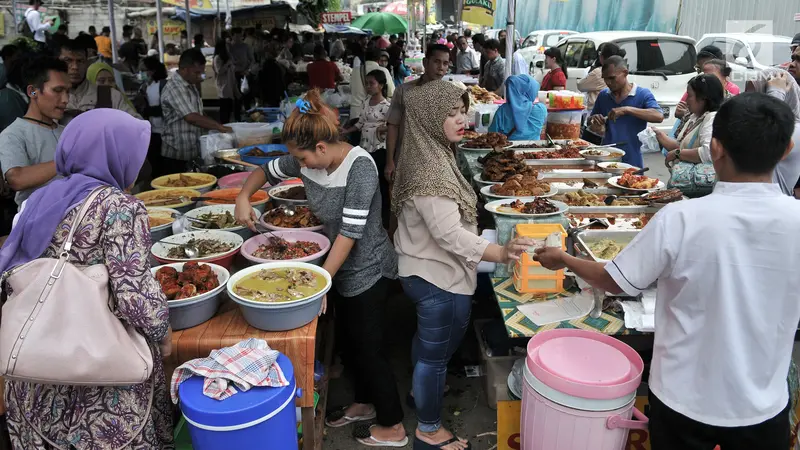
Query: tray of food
x,y
574,174
519,186
537,207
638,183
480,95
610,221
604,245
498,167
582,201
486,142
551,144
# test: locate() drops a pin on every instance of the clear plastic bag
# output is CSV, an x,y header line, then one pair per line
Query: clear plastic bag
x,y
211,143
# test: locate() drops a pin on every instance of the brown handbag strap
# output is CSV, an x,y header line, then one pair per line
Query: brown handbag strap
x,y
67,245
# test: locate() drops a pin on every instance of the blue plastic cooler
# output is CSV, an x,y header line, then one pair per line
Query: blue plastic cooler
x,y
261,418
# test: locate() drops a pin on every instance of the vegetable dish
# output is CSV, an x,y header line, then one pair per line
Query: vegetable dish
x,y
279,285
211,221
205,247
195,279
606,249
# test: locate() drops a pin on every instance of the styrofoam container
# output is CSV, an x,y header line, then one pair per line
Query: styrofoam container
x,y
251,245
243,420
192,311
284,315
243,231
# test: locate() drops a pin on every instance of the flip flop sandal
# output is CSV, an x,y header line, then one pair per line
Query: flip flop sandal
x,y
338,415
364,436
422,445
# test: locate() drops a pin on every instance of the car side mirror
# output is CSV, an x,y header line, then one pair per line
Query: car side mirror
x,y
742,61
540,64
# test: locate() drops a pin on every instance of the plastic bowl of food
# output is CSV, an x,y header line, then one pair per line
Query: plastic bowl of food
x,y
278,315
595,154
237,180
161,220
179,199
191,311
289,194
616,168
251,246
200,182
262,154
228,197
219,217
216,246
303,219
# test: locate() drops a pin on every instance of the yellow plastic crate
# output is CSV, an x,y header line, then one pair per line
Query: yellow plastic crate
x,y
539,232
538,284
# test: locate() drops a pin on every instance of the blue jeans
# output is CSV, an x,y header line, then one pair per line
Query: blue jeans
x,y
442,320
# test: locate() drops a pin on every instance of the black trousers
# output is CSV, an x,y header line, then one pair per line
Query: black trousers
x,y
670,430
169,166
360,323
229,107
379,156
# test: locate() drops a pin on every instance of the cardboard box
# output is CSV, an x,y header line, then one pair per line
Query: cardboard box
x,y
495,370
508,427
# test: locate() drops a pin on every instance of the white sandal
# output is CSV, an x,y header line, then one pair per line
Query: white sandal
x,y
370,441
339,415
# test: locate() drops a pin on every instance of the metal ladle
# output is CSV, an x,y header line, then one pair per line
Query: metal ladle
x,y
191,251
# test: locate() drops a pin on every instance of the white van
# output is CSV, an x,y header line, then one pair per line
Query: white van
x,y
533,47
661,62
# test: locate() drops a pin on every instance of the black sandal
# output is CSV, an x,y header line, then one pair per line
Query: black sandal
x,y
422,445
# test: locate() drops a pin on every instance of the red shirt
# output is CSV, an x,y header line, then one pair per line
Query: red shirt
x,y
555,77
322,74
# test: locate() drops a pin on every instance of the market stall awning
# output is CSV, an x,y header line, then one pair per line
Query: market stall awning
x,y
212,7
381,23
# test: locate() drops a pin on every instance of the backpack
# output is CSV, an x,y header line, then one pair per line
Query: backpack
x,y
23,29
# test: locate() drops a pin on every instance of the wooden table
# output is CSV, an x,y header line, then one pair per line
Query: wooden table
x,y
229,327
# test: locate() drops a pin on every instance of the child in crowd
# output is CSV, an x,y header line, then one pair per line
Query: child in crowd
x,y
727,306
372,123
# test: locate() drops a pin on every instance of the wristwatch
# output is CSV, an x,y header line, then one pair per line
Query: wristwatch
x,y
678,154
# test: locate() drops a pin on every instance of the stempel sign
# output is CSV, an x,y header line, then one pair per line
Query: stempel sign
x,y
337,18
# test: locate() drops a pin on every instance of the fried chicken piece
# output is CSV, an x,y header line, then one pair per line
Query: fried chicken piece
x,y
188,290
170,288
166,273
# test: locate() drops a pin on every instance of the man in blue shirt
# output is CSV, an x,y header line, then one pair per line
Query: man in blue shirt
x,y
625,109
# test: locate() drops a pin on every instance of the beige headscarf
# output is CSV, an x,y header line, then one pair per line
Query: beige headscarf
x,y
427,166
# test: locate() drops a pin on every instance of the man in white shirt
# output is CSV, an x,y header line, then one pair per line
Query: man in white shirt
x,y
727,304
35,23
468,61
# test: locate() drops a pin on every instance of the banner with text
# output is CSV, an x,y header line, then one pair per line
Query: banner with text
x,y
171,27
479,12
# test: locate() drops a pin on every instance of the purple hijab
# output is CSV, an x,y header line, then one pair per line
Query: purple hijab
x,y
99,147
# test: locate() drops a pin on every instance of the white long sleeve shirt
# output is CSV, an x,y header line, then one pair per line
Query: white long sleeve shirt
x,y
36,25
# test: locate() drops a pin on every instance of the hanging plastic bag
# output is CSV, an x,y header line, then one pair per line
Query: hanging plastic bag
x,y
245,87
649,141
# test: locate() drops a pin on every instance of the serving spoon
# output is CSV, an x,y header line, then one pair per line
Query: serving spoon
x,y
190,250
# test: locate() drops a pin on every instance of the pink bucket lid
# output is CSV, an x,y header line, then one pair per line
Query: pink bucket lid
x,y
584,363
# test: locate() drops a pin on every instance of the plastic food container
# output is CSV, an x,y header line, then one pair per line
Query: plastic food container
x,y
236,180
266,148
284,315
159,232
160,249
584,382
251,245
228,197
241,230
244,419
201,182
251,133
192,311
564,124
155,198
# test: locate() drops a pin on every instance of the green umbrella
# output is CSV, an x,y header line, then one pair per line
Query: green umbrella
x,y
381,23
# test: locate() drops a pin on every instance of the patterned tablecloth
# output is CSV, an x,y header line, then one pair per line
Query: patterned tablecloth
x,y
519,326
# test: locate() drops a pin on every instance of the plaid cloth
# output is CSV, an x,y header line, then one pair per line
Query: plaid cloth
x,y
248,363
180,139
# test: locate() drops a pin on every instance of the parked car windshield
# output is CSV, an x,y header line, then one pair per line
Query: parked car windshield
x,y
667,56
771,53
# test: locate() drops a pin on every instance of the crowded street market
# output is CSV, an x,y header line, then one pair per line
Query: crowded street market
x,y
323,231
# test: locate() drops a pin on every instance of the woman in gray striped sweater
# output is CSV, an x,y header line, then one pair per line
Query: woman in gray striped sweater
x,y
341,183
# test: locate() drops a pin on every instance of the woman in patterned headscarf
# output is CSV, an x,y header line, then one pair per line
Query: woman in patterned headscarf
x,y
438,246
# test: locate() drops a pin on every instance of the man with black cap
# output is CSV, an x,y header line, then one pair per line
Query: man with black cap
x,y
795,43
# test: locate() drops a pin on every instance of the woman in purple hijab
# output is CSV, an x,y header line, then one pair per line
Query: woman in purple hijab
x,y
100,148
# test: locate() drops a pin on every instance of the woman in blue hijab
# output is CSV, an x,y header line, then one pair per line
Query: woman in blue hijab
x,y
520,118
